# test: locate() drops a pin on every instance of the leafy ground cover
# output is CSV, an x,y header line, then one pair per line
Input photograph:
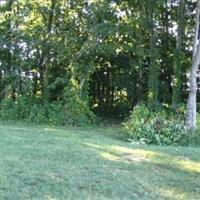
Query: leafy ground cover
x,y
47,163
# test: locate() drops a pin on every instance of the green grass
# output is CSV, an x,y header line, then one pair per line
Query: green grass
x,y
39,162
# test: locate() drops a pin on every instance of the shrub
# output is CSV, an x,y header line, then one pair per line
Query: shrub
x,y
157,127
6,109
37,114
71,112
23,105
76,109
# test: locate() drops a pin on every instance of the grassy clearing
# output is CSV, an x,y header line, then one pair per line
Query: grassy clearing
x,y
58,164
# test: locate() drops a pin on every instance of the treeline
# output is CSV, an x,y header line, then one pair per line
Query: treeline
x,y
85,56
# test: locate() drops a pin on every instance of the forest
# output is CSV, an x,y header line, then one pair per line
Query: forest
x,y
77,62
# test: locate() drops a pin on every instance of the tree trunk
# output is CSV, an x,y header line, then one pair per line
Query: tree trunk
x,y
1,86
82,82
9,57
178,54
46,63
153,66
191,105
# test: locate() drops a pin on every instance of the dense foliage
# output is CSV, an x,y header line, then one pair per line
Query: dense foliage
x,y
160,126
54,113
62,61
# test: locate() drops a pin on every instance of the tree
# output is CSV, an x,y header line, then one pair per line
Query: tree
x,y
191,104
153,55
179,54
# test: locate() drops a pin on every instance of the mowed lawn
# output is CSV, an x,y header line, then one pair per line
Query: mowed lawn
x,y
44,163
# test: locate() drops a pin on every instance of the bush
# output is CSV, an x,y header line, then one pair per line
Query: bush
x,y
6,109
71,112
37,114
76,109
157,127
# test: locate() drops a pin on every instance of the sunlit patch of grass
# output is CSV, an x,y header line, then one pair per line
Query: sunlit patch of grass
x,y
50,198
135,152
92,145
182,162
171,193
189,165
109,156
51,129
127,154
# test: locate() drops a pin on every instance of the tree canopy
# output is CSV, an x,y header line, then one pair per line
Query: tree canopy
x,y
107,55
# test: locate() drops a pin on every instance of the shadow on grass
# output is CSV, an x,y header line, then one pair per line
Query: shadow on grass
x,y
178,174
